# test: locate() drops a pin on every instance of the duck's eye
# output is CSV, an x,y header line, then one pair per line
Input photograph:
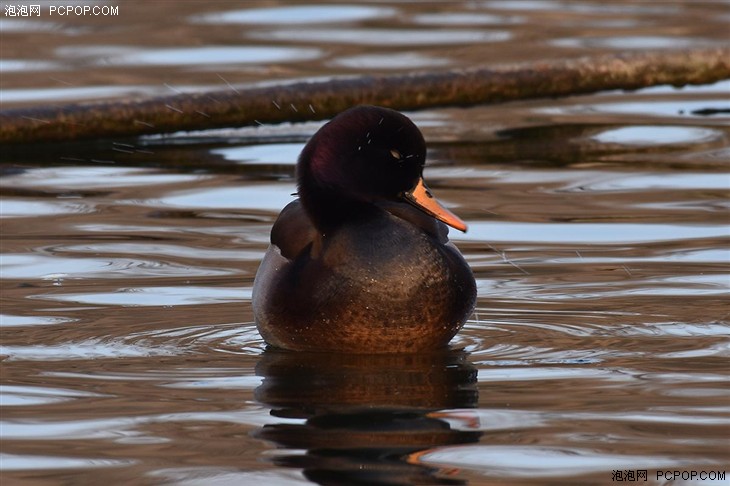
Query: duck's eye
x,y
396,155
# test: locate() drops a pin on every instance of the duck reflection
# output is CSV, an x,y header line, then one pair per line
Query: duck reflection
x,y
365,415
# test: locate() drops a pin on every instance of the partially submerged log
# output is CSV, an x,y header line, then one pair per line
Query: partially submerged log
x,y
323,99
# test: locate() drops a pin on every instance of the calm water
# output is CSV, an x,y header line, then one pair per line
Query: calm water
x,y
598,236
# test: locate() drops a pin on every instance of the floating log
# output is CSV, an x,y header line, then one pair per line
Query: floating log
x,y
318,100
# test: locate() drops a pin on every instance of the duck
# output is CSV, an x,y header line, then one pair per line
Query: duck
x,y
361,261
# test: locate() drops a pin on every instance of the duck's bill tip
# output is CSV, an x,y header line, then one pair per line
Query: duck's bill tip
x,y
421,197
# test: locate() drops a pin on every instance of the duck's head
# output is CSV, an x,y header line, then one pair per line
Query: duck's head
x,y
364,156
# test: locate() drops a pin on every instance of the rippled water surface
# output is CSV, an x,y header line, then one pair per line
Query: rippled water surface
x,y
598,236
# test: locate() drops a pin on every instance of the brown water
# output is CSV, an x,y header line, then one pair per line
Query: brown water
x,y
598,236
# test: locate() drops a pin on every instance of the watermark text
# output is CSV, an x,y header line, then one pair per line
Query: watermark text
x,y
18,10
633,475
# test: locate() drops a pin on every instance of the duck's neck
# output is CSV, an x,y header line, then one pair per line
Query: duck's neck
x,y
329,209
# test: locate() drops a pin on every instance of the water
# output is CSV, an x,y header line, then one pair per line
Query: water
x,y
598,236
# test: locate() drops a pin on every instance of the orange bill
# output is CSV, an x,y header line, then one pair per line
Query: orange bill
x,y
421,197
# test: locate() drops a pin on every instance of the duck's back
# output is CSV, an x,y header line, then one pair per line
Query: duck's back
x,y
377,284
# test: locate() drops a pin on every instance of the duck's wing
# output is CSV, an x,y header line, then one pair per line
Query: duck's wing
x,y
293,230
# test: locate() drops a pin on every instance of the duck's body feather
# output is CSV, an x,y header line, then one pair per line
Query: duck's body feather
x,y
377,284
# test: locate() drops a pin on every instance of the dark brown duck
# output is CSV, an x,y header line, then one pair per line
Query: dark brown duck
x,y
361,262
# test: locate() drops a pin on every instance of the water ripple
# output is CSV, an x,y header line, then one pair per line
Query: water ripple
x,y
231,338
304,14
390,37
45,267
537,461
155,296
